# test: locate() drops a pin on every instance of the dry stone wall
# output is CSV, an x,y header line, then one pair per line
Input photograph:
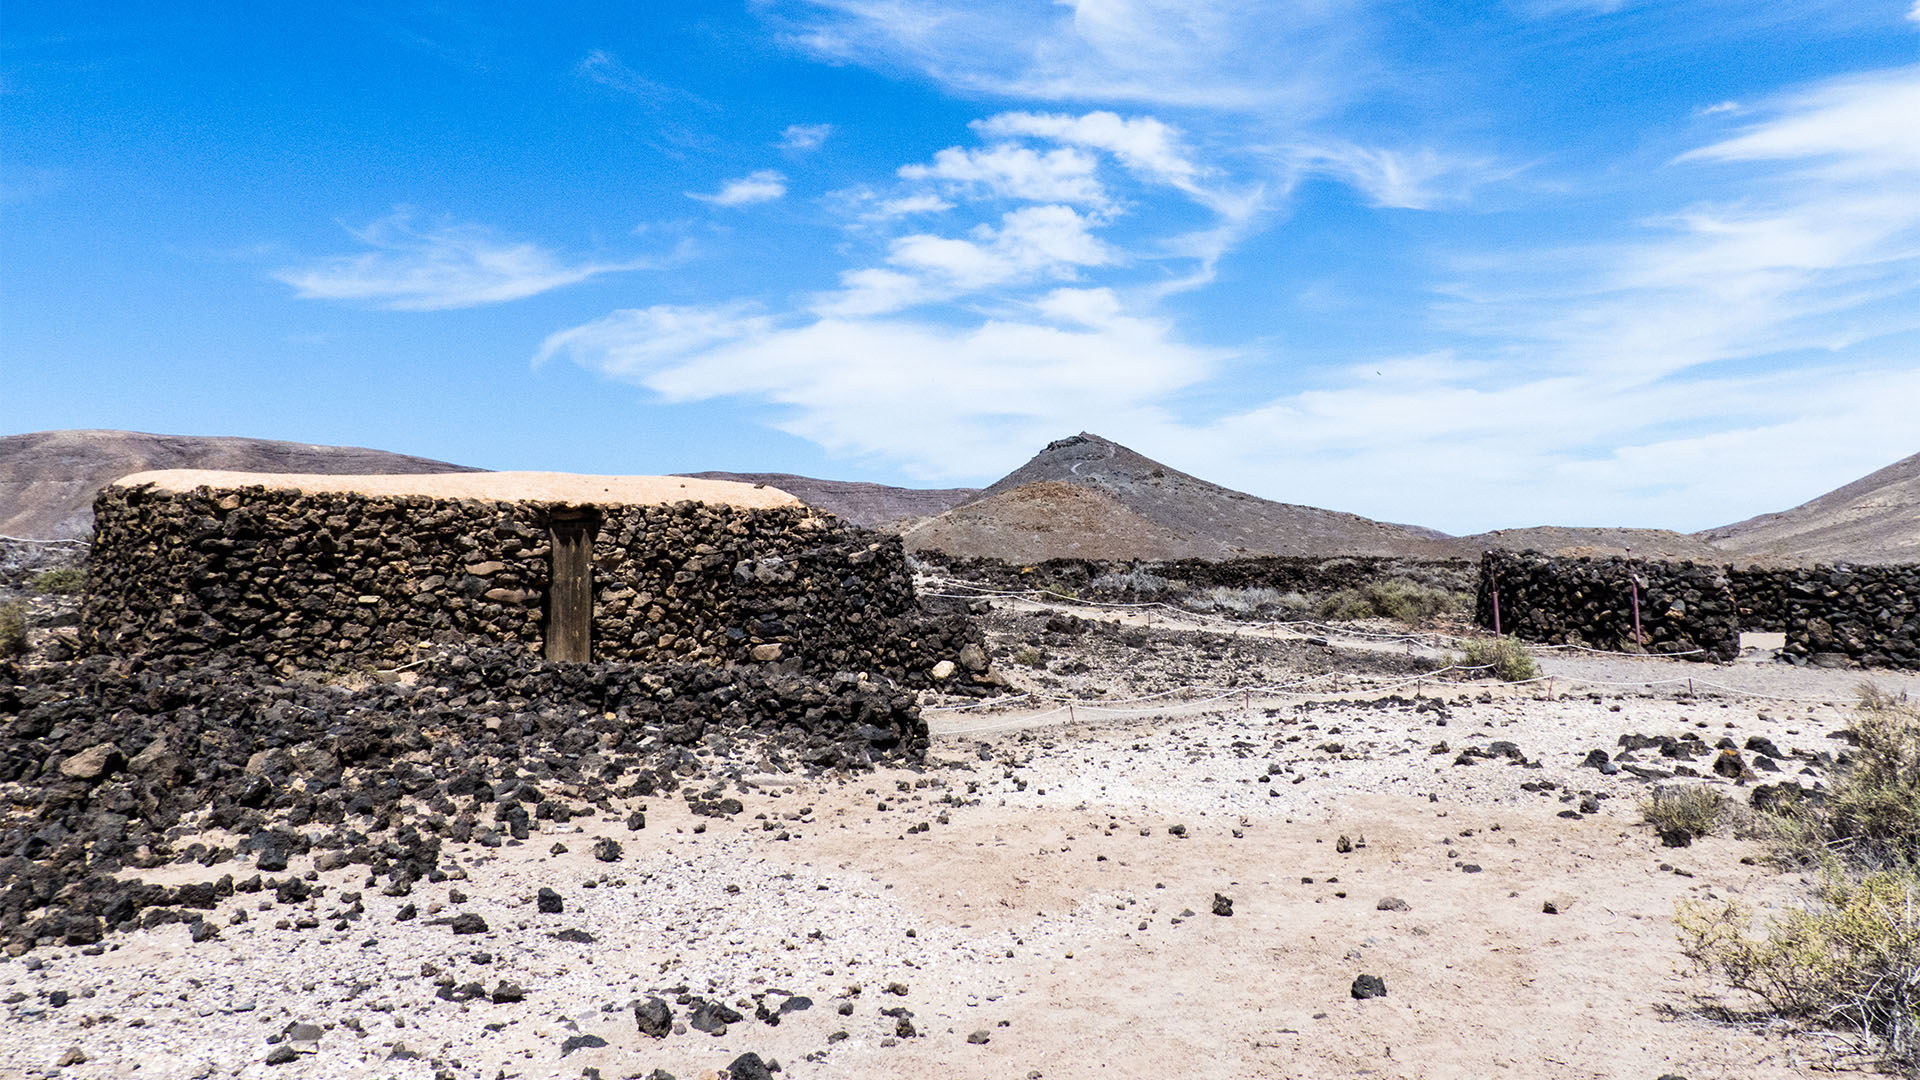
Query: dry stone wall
x,y
1867,615
328,579
1684,608
1286,573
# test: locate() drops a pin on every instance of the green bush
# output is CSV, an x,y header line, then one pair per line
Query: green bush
x,y
61,581
1695,811
1504,657
1851,958
13,629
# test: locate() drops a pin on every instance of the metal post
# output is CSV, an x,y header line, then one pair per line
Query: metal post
x,y
1633,583
1494,588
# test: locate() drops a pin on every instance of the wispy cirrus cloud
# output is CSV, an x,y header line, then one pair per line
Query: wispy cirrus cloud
x,y
1182,53
862,386
765,185
1626,372
606,69
438,267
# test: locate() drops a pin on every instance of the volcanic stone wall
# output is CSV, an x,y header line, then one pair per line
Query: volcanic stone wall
x,y
1287,573
336,580
106,758
1869,615
1684,607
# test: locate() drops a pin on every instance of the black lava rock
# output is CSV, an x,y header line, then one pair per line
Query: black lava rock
x,y
581,1042
550,902
653,1017
1369,986
467,923
748,1066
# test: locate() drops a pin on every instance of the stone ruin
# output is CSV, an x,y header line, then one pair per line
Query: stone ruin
x,y
333,572
363,670
1834,615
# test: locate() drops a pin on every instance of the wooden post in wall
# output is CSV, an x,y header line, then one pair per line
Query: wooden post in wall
x,y
570,585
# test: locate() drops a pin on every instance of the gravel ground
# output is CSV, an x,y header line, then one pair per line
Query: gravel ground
x,y
1040,899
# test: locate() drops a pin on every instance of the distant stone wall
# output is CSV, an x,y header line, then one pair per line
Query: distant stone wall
x,y
1869,615
1684,607
1304,574
341,580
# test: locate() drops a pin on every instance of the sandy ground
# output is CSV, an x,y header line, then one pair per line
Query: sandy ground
x,y
493,486
1040,900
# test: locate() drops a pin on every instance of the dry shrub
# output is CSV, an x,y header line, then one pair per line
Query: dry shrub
x,y
1248,600
1504,657
1695,811
1136,582
61,581
13,629
1403,601
1851,958
1873,813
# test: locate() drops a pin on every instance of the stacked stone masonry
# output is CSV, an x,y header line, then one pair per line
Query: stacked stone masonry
x,y
1864,615
337,580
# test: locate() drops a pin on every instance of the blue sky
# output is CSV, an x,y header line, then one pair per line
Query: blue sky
x,y
1465,265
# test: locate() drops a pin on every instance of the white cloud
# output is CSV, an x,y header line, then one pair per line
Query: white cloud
x,y
1860,127
1006,171
602,67
1718,354
911,204
765,185
802,137
1913,13
970,396
1143,144
1216,54
438,268
1407,180
1030,243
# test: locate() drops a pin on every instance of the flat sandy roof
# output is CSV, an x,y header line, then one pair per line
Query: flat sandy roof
x,y
569,488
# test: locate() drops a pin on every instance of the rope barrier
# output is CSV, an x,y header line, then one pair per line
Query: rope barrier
x,y
31,540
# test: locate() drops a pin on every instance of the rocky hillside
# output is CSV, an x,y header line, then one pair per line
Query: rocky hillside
x,y
1875,519
1088,497
48,478
869,505
1594,542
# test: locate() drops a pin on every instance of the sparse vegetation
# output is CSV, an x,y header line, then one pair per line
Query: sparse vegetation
x,y
1404,601
1136,582
1028,656
1692,810
1250,600
1851,958
13,629
1504,657
61,581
